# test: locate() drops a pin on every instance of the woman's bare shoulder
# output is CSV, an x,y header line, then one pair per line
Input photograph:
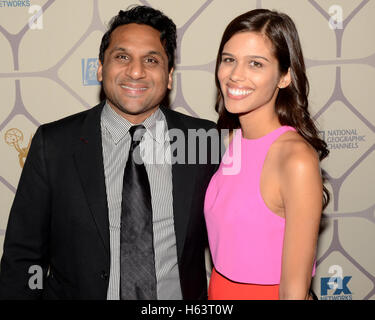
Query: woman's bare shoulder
x,y
295,153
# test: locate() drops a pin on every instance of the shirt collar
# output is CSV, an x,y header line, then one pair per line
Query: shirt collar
x,y
118,127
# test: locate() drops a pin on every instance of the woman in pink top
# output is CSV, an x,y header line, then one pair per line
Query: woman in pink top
x,y
263,206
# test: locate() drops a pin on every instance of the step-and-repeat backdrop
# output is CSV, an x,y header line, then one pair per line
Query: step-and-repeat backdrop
x,y
48,64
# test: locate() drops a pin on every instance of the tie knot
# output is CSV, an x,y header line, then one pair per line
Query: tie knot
x,y
137,132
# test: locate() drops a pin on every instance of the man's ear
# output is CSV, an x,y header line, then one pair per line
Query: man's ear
x,y
99,74
285,80
170,79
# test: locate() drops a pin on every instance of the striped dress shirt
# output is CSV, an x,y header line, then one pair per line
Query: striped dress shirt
x,y
154,146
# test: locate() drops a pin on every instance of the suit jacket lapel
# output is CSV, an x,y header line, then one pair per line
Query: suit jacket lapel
x,y
88,157
183,181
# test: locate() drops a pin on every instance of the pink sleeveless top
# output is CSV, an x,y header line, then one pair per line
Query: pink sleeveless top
x,y
245,236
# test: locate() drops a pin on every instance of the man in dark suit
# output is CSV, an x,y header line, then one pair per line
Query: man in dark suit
x,y
66,219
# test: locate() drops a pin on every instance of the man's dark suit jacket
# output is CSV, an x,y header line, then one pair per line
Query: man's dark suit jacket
x,y
59,218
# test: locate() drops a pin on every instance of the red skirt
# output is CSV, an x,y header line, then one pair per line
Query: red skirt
x,y
222,288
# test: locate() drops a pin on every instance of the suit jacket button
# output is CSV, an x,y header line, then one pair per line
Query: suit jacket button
x,y
104,275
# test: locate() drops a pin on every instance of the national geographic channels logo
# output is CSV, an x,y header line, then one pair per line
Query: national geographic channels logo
x,y
339,139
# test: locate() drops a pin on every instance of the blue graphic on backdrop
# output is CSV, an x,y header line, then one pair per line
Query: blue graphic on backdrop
x,y
335,288
89,70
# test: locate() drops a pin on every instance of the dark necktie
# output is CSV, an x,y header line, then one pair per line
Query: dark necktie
x,y
137,261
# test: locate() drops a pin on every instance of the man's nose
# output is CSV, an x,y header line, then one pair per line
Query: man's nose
x,y
136,70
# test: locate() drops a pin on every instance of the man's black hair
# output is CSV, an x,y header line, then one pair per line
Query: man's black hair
x,y
147,16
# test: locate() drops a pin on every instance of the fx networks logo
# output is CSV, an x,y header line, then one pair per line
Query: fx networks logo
x,y
335,287
14,3
89,70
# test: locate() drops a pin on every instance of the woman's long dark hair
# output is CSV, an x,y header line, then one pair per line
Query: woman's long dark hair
x,y
291,103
